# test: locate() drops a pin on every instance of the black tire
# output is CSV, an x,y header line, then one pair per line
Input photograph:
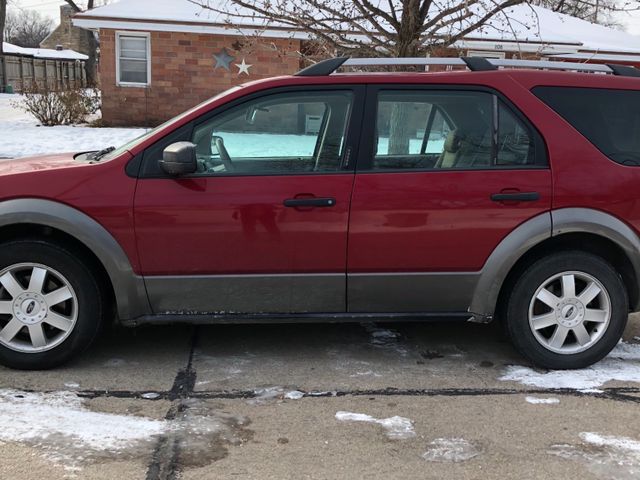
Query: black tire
x,y
518,302
90,302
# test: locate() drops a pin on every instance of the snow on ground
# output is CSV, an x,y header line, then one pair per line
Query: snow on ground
x,y
65,430
606,456
453,450
396,428
542,401
622,364
20,135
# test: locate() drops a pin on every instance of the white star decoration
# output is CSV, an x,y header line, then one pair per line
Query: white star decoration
x,y
243,67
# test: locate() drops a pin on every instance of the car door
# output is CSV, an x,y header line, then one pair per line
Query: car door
x,y
444,174
261,227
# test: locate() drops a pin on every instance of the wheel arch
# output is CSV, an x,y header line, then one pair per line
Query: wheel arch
x,y
584,229
20,217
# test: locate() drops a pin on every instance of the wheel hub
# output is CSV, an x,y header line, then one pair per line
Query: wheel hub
x,y
570,313
30,308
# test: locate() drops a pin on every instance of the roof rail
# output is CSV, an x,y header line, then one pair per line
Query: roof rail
x,y
478,64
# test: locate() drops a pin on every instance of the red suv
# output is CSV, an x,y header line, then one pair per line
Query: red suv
x,y
507,193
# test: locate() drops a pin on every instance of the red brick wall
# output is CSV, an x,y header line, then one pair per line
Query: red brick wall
x,y
182,73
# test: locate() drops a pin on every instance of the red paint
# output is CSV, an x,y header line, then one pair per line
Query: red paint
x,y
219,225
437,221
419,221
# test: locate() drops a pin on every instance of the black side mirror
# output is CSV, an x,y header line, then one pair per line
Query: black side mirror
x,y
179,159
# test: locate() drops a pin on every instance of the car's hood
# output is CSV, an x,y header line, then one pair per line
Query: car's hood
x,y
42,162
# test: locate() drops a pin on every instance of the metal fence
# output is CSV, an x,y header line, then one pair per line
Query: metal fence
x,y
20,71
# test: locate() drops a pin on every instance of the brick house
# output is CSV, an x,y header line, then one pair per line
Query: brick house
x,y
65,35
159,58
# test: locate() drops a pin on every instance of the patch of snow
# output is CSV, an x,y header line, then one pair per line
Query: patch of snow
x,y
591,390
385,338
264,395
322,394
294,395
396,428
65,430
368,373
150,395
72,385
621,443
453,450
626,351
606,456
620,365
542,401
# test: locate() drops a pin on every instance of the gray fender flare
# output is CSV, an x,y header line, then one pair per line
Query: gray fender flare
x,y
131,296
535,231
571,220
501,261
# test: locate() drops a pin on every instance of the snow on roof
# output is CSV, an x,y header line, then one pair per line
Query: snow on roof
x,y
526,23
43,52
520,23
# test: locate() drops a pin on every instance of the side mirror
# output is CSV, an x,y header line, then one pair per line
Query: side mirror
x,y
179,159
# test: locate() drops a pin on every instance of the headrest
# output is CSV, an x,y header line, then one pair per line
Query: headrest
x,y
452,143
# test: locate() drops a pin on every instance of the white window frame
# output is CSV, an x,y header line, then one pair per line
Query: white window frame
x,y
145,35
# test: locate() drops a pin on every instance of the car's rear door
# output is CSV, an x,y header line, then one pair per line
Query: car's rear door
x,y
444,174
264,230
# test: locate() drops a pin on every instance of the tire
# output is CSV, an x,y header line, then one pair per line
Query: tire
x,y
537,322
45,318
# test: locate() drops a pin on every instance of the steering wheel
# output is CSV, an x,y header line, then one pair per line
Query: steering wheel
x,y
224,155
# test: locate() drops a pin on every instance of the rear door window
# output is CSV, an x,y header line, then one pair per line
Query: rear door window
x,y
449,130
609,119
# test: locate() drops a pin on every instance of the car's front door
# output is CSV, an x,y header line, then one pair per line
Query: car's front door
x,y
443,176
261,227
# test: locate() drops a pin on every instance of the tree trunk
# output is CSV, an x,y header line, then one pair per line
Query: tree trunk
x,y
3,16
90,64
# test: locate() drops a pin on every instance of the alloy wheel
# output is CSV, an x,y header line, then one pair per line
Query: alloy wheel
x,y
569,312
38,308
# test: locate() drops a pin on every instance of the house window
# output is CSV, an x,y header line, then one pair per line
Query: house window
x,y
133,62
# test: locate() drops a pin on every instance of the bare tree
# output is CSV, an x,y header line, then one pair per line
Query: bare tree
x,y
26,28
90,64
401,28
604,12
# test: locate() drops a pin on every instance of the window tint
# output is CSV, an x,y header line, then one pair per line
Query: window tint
x,y
610,119
514,141
283,133
448,130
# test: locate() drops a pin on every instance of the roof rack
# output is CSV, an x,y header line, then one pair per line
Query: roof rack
x,y
476,64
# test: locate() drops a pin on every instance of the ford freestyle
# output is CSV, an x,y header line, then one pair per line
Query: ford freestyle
x,y
509,190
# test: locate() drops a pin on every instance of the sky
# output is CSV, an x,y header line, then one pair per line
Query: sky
x,y
51,8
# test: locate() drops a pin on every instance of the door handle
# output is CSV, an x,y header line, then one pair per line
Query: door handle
x,y
516,197
309,202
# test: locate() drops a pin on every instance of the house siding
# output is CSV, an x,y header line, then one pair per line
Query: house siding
x,y
183,74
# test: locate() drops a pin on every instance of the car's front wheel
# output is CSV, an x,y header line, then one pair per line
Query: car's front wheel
x,y
51,305
567,310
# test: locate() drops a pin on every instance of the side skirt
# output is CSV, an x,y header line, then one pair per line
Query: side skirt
x,y
274,318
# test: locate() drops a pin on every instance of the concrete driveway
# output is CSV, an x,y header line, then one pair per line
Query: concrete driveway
x,y
427,401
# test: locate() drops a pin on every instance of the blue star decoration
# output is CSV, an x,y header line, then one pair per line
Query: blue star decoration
x,y
223,59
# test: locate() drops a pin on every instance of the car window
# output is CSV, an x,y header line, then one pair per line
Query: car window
x,y
609,119
278,134
448,130
514,141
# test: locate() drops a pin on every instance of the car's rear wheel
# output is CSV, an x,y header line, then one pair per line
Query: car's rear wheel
x,y
567,310
51,306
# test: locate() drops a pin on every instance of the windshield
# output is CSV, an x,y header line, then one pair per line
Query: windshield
x,y
130,144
